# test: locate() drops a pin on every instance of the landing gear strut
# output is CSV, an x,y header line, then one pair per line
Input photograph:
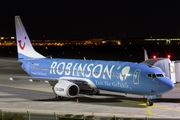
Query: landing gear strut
x,y
56,96
94,92
149,102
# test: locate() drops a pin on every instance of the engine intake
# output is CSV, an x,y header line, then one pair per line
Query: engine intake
x,y
66,89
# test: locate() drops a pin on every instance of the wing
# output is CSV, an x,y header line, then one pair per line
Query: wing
x,y
83,83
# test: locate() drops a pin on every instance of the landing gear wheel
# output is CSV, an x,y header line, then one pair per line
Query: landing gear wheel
x,y
149,103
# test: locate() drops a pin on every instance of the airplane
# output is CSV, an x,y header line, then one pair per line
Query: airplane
x,y
69,76
145,55
165,64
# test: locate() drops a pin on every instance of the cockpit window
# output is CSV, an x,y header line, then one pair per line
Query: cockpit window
x,y
151,75
155,75
159,75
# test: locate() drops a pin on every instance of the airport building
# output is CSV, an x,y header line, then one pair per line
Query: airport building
x,y
11,41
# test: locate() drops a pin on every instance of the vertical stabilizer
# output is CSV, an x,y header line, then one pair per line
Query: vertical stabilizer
x,y
24,46
145,55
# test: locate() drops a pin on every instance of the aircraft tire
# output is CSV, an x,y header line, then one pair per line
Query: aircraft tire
x,y
149,103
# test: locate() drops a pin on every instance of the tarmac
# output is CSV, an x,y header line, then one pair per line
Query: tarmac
x,y
38,97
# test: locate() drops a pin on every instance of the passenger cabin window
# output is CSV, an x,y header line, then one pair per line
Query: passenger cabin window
x,y
93,72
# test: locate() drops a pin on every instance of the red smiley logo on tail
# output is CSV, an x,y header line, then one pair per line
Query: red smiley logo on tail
x,y
22,47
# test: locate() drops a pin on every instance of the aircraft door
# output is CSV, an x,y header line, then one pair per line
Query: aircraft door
x,y
27,67
136,76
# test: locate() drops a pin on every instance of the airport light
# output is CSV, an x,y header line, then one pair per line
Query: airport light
x,y
168,56
12,37
103,42
154,57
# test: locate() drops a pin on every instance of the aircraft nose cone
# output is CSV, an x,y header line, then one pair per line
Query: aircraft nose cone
x,y
170,85
166,84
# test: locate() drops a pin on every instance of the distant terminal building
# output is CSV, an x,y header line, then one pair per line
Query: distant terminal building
x,y
11,41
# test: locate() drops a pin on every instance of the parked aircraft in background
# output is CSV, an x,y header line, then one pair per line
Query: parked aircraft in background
x,y
69,76
145,55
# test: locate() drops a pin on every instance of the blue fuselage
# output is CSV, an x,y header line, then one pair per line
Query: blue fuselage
x,y
123,77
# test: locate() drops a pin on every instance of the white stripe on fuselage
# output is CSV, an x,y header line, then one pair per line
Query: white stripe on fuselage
x,y
90,83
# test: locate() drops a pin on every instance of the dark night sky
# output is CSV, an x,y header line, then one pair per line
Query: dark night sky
x,y
84,19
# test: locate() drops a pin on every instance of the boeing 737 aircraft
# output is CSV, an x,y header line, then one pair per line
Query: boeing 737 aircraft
x,y
69,76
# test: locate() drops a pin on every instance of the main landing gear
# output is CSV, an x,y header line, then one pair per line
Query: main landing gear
x,y
56,96
94,92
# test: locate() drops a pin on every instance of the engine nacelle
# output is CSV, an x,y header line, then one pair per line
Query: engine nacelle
x,y
66,89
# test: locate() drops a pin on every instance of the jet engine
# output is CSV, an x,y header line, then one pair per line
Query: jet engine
x,y
66,89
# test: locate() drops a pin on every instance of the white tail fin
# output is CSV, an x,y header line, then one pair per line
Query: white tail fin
x,y
145,55
24,46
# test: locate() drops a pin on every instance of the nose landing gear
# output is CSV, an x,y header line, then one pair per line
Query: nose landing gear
x,y
149,103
